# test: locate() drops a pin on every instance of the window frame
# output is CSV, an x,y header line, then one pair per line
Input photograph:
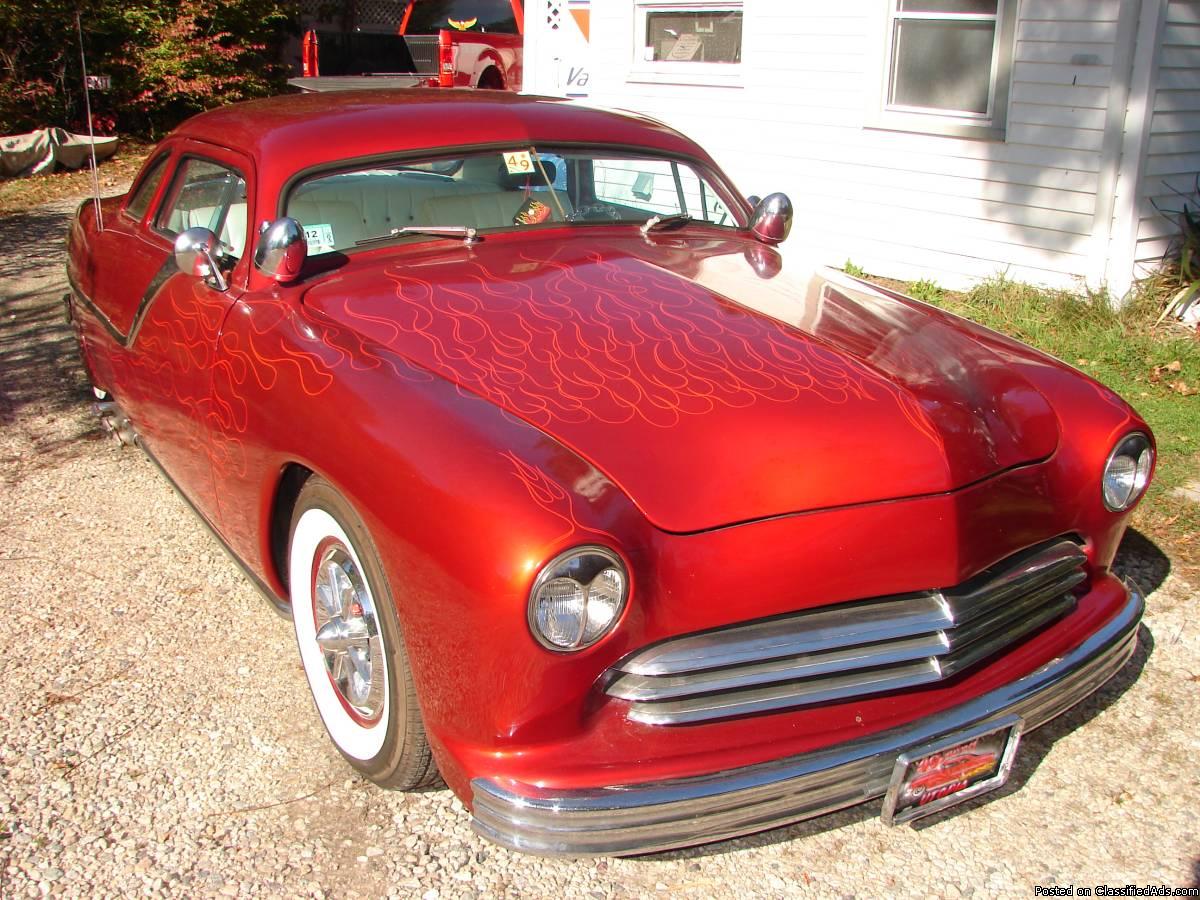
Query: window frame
x,y
990,126
722,188
167,198
161,161
663,71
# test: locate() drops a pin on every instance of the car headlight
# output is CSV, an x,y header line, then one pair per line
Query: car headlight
x,y
577,598
1127,472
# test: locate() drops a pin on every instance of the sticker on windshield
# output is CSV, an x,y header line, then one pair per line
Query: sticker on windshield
x,y
531,213
319,238
518,162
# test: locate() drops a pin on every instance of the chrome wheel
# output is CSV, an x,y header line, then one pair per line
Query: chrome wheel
x,y
347,633
351,646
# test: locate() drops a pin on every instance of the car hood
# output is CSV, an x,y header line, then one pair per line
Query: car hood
x,y
715,380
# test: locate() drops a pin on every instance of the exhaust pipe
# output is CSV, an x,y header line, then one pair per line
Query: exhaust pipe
x,y
116,423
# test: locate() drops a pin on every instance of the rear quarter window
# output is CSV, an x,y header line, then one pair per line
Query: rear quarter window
x,y
432,16
147,188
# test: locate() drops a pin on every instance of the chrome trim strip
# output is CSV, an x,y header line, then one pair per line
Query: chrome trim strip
x,y
847,624
785,695
641,818
978,596
851,649
667,687
165,271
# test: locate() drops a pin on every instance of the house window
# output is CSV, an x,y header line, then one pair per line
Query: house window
x,y
704,36
948,66
687,43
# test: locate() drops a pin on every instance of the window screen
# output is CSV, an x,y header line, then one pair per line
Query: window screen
x,y
943,55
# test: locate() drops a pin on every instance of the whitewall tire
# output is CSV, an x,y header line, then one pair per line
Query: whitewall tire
x,y
350,643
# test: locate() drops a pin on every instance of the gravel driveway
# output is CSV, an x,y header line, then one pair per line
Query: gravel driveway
x,y
157,736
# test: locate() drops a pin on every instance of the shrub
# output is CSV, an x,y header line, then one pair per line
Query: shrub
x,y
167,60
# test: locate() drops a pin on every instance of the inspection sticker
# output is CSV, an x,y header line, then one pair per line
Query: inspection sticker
x,y
519,162
319,238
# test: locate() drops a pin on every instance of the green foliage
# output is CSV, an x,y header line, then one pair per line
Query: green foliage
x,y
167,60
925,290
1189,260
851,269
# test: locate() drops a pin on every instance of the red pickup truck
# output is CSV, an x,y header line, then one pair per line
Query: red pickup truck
x,y
435,43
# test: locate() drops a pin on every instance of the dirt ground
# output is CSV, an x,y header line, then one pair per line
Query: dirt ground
x,y
157,737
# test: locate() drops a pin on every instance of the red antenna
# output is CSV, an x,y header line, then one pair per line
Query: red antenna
x,y
87,99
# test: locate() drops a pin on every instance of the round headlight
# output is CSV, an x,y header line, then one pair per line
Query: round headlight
x,y
577,598
1127,472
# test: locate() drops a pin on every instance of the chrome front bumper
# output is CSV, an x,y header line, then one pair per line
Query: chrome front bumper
x,y
641,818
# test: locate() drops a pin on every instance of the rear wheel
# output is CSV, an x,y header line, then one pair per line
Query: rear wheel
x,y
491,80
350,642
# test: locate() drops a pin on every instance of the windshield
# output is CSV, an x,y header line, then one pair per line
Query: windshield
x,y
518,188
432,16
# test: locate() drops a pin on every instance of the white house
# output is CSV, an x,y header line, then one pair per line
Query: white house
x,y
945,139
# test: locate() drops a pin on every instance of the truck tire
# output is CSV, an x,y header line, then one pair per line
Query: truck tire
x,y
491,80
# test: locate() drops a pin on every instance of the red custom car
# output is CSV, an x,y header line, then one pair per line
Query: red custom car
x,y
577,490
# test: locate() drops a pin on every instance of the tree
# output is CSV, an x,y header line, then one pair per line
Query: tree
x,y
167,60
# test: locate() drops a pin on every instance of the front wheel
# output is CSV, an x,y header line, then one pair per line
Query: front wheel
x,y
350,642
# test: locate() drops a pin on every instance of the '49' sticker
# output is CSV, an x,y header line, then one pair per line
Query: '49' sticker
x,y
319,238
519,162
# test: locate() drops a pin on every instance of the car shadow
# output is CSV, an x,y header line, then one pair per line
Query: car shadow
x,y
1036,745
40,365
1140,560
1034,748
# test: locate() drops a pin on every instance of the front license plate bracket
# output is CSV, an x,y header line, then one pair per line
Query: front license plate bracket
x,y
951,770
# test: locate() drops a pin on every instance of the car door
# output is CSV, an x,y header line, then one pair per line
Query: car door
x,y
167,388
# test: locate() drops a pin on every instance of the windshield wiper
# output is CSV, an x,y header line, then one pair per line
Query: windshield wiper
x,y
468,234
675,220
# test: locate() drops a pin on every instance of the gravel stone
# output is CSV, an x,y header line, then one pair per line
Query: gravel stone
x,y
157,737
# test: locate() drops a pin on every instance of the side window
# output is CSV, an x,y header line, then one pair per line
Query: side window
x,y
140,201
659,187
210,195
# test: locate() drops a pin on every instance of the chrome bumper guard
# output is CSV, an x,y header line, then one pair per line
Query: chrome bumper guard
x,y
643,818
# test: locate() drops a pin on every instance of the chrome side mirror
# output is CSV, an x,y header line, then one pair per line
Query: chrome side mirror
x,y
196,255
282,249
772,218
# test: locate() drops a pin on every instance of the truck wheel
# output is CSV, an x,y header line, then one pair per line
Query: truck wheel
x,y
491,80
350,643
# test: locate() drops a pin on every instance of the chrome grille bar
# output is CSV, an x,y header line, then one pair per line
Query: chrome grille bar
x,y
852,649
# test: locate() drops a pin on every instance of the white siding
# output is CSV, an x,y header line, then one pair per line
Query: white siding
x,y
1039,204
897,203
1173,154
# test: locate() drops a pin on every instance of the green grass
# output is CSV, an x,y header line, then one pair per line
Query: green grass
x,y
1121,348
926,290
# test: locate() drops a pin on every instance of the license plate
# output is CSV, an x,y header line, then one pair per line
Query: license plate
x,y
929,778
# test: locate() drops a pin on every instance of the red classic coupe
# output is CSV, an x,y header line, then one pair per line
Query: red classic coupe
x,y
582,495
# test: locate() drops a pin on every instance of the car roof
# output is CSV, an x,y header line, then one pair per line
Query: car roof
x,y
294,132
